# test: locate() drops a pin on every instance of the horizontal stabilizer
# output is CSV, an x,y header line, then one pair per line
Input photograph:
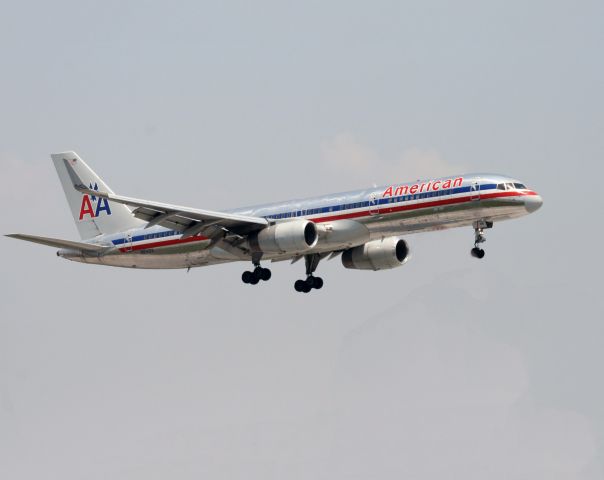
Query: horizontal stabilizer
x,y
58,243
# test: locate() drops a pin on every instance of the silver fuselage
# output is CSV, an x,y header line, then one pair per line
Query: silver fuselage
x,y
344,220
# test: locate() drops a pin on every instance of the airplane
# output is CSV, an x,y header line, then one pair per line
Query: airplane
x,y
364,227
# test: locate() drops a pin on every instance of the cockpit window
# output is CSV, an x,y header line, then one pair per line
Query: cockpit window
x,y
520,186
510,186
501,186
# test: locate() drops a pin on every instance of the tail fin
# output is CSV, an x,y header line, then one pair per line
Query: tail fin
x,y
93,215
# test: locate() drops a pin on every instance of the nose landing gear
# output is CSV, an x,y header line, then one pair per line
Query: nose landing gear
x,y
479,237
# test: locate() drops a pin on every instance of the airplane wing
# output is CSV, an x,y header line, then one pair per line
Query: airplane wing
x,y
189,221
58,243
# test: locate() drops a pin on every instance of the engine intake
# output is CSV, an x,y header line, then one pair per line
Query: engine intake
x,y
286,237
389,252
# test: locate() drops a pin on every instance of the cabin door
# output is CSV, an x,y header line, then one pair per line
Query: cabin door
x,y
128,245
373,204
475,191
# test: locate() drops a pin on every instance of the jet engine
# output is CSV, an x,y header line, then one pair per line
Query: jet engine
x,y
389,252
286,237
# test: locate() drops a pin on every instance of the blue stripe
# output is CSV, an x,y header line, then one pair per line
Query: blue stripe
x,y
149,236
380,201
330,209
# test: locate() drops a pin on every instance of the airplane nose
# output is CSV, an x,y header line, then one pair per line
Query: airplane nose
x,y
533,203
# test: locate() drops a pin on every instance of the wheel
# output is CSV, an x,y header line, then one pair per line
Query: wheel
x,y
306,287
310,281
265,274
480,253
247,277
477,252
300,285
318,283
254,280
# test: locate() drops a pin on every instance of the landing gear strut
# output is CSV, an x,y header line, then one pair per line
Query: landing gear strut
x,y
256,275
305,286
479,237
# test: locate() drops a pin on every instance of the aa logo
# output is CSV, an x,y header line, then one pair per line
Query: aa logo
x,y
100,205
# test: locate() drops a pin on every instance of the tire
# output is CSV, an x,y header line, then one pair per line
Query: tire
x,y
254,280
265,274
246,277
299,285
318,283
480,253
310,281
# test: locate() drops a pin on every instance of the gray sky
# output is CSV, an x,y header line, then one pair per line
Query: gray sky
x,y
448,367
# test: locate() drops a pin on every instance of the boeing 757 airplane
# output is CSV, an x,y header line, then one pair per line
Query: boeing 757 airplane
x,y
364,227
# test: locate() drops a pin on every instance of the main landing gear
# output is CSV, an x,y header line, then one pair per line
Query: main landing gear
x,y
305,286
256,275
479,237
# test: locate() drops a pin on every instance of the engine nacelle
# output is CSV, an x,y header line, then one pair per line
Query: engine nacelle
x,y
287,237
381,254
342,234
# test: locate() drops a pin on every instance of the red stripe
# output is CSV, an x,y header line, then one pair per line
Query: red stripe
x,y
436,203
365,213
164,243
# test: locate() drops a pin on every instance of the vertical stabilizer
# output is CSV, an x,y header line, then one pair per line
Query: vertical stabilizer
x,y
93,215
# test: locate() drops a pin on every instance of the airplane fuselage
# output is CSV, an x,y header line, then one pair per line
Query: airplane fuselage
x,y
343,220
